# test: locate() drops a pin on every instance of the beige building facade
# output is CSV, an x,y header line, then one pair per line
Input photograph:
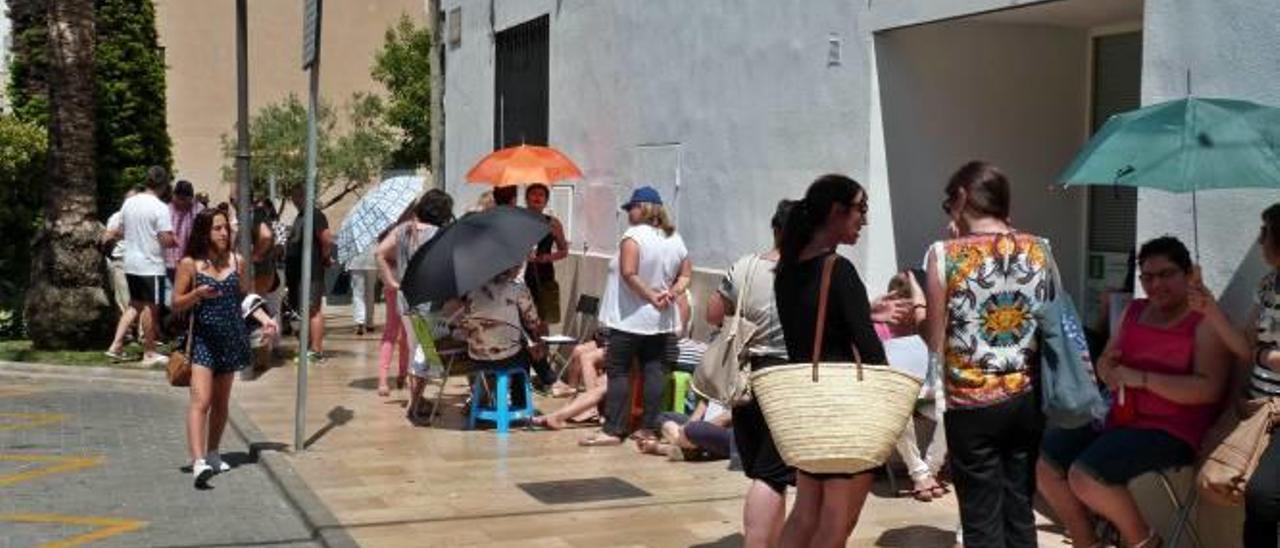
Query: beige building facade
x,y
200,54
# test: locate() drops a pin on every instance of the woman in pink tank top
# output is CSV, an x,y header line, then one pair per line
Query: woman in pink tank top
x,y
1168,370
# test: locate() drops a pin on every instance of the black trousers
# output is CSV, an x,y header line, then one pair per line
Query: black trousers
x,y
992,452
1262,500
650,351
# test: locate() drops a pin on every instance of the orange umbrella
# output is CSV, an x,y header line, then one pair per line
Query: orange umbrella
x,y
524,164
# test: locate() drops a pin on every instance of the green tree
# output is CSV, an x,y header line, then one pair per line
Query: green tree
x,y
129,73
22,170
351,155
129,88
66,306
29,67
403,66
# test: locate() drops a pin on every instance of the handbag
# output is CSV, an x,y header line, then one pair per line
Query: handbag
x,y
1226,471
724,374
1069,394
179,366
834,417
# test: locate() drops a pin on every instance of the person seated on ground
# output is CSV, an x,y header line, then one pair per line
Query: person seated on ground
x,y
904,327
498,318
706,434
1169,369
587,363
575,373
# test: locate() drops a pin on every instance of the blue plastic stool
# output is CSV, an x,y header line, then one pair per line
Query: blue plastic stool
x,y
500,413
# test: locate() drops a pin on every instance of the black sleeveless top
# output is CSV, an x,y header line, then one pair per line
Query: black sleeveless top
x,y
535,273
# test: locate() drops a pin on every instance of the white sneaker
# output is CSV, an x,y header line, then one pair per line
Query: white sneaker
x,y
201,472
215,461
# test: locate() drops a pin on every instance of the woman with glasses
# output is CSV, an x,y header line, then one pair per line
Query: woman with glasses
x,y
833,212
1169,370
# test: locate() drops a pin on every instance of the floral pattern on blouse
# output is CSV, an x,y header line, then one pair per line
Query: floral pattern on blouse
x,y
995,285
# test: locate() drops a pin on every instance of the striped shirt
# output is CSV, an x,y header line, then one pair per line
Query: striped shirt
x,y
1264,381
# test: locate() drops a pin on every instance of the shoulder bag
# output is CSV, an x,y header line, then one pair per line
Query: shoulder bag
x,y
834,417
1068,390
1226,471
724,375
179,367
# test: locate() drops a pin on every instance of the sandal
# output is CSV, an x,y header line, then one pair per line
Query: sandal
x,y
383,389
600,439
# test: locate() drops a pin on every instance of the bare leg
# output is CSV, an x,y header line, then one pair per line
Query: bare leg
x,y
1113,502
581,404
1053,486
317,330
842,501
127,318
198,411
147,312
219,409
763,516
801,525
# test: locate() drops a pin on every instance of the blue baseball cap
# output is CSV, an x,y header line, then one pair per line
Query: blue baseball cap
x,y
643,195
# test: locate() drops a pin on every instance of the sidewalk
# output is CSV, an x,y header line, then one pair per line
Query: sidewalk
x,y
387,482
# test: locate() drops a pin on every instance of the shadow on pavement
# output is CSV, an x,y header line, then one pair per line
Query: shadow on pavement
x,y
915,536
338,416
732,541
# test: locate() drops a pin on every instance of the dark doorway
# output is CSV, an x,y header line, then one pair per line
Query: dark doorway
x,y
521,84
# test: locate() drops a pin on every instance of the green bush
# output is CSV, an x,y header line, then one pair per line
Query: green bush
x,y
22,171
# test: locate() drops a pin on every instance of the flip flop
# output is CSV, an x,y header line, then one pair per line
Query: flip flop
x,y
600,439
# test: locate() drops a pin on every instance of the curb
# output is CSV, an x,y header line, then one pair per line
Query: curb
x,y
324,526
147,377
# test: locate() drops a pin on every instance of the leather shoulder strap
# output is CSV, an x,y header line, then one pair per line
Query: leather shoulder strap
x,y
820,324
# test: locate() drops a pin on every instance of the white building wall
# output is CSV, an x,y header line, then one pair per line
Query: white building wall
x,y
746,91
1232,49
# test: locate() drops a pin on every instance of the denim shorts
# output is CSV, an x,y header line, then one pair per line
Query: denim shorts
x,y
1115,456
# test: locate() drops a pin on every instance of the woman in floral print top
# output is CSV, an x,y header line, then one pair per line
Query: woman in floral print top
x,y
994,285
985,288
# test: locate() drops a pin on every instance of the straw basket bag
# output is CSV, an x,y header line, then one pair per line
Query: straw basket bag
x,y
834,417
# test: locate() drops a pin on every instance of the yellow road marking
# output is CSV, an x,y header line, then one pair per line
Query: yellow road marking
x,y
107,527
29,420
58,465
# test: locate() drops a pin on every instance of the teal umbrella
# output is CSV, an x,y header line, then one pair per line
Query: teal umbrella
x,y
1185,145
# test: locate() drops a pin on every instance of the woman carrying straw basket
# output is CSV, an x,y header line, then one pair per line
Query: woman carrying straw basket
x,y
833,212
984,287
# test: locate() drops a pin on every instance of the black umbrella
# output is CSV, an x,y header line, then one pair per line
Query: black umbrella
x,y
470,252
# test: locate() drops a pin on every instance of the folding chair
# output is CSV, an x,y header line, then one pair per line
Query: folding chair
x,y
444,358
1183,507
581,325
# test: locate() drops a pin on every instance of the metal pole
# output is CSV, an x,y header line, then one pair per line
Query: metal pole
x,y
437,94
244,214
308,243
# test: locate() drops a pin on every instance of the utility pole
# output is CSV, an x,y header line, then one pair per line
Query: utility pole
x,y
437,93
311,63
245,210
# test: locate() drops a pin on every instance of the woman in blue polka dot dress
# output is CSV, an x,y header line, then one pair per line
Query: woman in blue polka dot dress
x,y
210,284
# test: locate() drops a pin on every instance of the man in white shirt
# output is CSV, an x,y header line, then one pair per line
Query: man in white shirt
x,y
112,237
147,230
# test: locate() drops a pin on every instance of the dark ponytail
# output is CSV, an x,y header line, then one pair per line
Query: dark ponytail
x,y
812,212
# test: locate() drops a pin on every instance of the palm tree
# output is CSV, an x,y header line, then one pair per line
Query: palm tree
x,y
66,304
